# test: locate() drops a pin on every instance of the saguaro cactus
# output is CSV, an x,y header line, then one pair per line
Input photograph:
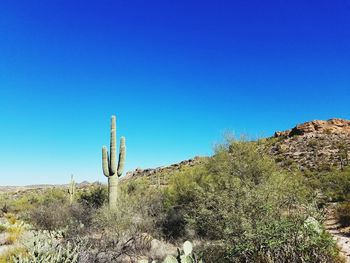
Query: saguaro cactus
x,y
71,190
111,169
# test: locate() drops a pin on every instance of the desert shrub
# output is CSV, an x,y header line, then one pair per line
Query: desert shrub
x,y
119,227
173,225
24,202
51,216
9,254
250,209
11,218
54,195
334,184
52,210
14,233
14,230
283,240
73,219
5,203
5,208
128,229
79,216
343,214
135,213
11,239
94,197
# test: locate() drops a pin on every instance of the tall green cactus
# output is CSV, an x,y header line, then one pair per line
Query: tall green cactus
x,y
109,164
71,190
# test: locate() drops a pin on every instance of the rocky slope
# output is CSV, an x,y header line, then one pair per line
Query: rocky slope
x,y
315,145
165,169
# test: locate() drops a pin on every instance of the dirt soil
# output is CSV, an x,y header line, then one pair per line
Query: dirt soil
x,y
4,248
340,235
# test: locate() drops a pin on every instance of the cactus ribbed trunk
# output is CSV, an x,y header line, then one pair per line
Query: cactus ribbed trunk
x,y
71,199
111,168
113,191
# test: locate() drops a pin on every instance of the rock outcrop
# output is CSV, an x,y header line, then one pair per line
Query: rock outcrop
x,y
332,126
314,145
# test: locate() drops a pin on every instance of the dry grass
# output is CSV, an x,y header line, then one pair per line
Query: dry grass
x,y
7,257
11,218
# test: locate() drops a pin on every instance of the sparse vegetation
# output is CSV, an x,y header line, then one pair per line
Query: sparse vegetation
x,y
237,206
248,208
334,183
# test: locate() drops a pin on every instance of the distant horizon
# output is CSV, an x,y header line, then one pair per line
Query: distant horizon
x,y
177,76
105,182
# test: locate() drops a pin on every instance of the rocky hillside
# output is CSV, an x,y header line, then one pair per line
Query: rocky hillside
x,y
165,169
315,145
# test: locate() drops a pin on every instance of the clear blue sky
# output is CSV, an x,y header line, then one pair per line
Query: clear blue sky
x,y
177,74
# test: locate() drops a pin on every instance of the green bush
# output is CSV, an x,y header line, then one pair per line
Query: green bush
x,y
173,225
57,216
334,184
51,216
129,229
238,207
249,210
94,197
23,202
136,212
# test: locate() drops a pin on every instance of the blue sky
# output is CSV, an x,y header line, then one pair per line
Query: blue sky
x,y
177,74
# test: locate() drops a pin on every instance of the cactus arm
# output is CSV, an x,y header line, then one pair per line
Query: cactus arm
x,y
113,147
105,161
122,154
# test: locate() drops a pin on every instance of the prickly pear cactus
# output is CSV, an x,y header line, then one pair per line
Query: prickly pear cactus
x,y
170,259
187,257
187,247
45,246
111,168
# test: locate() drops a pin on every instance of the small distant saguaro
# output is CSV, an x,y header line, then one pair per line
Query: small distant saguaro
x,y
71,190
111,168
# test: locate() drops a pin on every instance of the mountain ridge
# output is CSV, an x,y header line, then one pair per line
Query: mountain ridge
x,y
313,145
